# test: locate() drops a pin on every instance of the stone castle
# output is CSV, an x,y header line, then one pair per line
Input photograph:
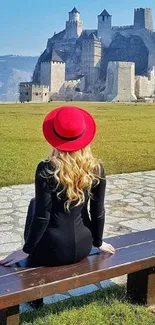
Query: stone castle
x,y
107,63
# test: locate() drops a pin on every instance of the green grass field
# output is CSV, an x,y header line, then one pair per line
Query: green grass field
x,y
125,138
106,307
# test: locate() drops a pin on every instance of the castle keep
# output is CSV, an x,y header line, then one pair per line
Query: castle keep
x,y
88,62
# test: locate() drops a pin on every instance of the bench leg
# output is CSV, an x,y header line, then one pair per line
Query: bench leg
x,y
10,316
141,287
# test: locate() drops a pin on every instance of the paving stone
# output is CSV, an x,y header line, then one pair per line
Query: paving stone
x,y
137,204
129,200
5,227
139,224
4,189
19,214
22,221
20,229
131,209
134,196
9,248
152,214
8,237
24,209
7,211
136,190
6,219
112,219
27,197
13,192
15,197
148,200
23,186
20,203
3,198
55,298
83,290
5,205
114,197
146,208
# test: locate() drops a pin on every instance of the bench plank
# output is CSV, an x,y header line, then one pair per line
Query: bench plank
x,y
132,239
58,272
117,242
91,270
6,271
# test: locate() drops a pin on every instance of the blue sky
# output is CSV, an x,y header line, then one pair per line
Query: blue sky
x,y
25,26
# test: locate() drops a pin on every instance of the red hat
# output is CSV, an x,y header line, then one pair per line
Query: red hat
x,y
69,128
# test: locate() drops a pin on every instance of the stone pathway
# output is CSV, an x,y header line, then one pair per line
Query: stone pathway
x,y
129,203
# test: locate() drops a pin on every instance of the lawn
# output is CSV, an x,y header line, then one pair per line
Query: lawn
x,y
106,307
125,138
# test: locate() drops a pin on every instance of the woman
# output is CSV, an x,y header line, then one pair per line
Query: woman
x,y
58,228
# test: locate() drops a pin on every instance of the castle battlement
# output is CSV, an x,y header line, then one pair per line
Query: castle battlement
x,y
40,86
142,9
120,63
123,27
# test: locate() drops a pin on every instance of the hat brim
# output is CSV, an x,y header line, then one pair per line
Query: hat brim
x,y
66,145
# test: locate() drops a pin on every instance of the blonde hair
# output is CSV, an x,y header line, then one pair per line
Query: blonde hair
x,y
76,171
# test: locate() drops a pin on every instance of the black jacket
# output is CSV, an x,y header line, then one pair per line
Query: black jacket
x,y
58,237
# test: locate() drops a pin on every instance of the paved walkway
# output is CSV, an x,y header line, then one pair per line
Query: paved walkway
x,y
129,203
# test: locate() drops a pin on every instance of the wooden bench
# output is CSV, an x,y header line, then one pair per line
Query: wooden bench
x,y
135,256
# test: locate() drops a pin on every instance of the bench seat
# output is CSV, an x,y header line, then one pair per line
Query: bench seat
x,y
135,256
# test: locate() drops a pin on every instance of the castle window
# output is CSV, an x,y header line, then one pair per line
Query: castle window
x,y
45,94
36,94
26,93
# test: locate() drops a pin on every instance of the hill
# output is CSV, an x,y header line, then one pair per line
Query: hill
x,y
13,70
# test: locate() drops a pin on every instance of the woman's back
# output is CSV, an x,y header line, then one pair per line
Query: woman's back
x,y
68,234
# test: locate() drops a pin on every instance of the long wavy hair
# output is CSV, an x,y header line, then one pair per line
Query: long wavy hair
x,y
76,171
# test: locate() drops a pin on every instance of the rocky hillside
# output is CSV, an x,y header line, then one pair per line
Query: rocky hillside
x,y
13,70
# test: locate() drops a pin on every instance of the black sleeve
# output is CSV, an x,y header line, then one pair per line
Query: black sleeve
x,y
97,210
42,211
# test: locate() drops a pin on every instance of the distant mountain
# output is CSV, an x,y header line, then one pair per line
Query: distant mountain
x,y
13,70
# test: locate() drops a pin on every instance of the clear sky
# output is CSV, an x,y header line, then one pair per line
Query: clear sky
x,y
25,26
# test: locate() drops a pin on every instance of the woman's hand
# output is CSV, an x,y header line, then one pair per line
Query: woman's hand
x,y
107,248
13,258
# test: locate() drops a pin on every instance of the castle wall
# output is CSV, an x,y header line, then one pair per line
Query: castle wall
x,y
73,29
40,93
33,93
148,38
148,19
104,30
57,76
144,86
91,61
120,83
25,92
45,74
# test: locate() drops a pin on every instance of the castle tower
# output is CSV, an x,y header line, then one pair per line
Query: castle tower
x,y
53,73
120,82
74,26
104,27
91,59
143,18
